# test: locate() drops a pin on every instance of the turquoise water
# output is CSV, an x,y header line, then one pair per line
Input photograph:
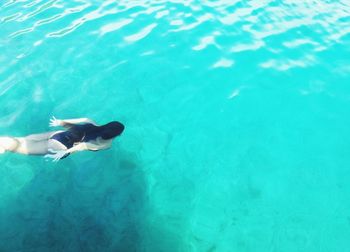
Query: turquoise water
x,y
237,125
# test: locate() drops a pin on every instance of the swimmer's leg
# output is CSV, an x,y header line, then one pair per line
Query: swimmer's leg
x,y
23,145
31,145
8,144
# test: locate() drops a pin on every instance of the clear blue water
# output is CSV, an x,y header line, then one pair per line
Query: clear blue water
x,y
237,125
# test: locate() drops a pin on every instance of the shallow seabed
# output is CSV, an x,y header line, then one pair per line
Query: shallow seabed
x,y
237,125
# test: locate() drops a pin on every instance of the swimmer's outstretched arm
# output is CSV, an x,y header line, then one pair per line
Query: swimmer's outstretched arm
x,y
58,154
69,122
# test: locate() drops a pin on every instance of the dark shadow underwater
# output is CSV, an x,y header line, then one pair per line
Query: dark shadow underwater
x,y
89,202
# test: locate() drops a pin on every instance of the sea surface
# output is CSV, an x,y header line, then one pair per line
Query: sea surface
x,y
237,118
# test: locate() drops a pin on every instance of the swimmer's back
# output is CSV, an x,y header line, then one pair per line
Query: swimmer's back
x,y
77,134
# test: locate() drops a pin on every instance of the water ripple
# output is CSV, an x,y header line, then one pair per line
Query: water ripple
x,y
286,64
299,42
205,41
32,3
7,84
39,10
20,32
148,11
141,34
248,47
232,28
11,17
223,63
95,14
114,26
201,19
11,2
161,14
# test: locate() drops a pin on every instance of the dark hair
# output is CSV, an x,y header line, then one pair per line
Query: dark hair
x,y
111,130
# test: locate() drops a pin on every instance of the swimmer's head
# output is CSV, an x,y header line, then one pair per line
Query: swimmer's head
x,y
111,130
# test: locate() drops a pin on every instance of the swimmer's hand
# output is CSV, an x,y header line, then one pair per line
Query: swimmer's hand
x,y
57,154
55,122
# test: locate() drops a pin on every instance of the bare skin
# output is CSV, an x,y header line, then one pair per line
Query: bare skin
x,y
41,144
36,144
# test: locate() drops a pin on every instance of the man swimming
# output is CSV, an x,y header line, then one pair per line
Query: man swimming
x,y
80,134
